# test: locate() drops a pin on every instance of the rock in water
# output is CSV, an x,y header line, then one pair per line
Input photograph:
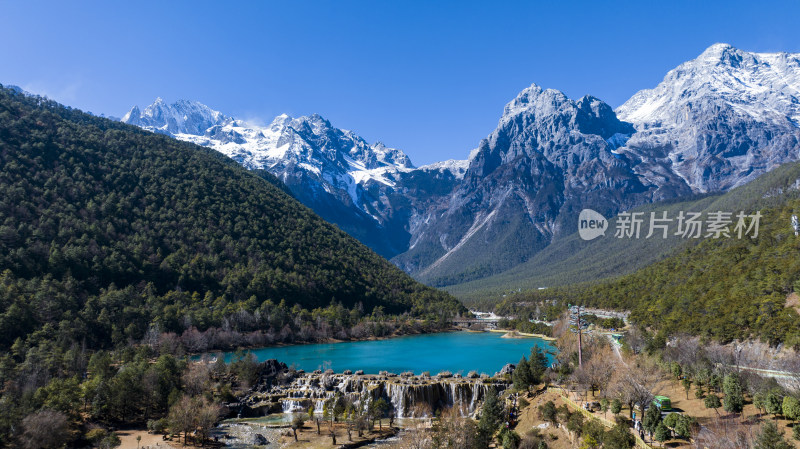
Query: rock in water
x,y
260,440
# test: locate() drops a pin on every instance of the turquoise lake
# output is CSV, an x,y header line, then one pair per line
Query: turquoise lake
x,y
458,352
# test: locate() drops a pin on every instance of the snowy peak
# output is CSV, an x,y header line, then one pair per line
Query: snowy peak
x,y
721,53
546,121
456,167
181,117
719,120
548,109
286,138
765,86
390,156
534,100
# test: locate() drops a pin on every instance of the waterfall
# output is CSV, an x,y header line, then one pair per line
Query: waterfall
x,y
403,393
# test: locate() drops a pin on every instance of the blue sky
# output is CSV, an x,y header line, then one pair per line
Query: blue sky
x,y
430,78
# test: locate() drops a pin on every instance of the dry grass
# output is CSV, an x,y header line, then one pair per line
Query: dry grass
x,y
708,417
149,440
793,300
529,418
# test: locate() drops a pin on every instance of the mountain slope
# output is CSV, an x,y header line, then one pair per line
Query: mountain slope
x,y
573,260
727,288
108,230
720,120
714,123
548,157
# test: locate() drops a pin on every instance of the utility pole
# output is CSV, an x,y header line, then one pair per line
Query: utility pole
x,y
580,342
575,319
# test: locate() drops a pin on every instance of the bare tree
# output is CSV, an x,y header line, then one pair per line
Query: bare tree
x,y
44,429
684,349
416,436
181,417
196,378
208,414
636,382
723,433
598,369
453,431
636,340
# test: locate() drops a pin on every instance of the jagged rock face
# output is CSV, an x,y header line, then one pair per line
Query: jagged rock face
x,y
548,158
269,372
718,121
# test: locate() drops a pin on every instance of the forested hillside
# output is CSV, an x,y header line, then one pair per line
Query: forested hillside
x,y
108,232
725,288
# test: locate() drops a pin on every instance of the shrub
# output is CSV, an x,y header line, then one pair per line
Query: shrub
x,y
96,435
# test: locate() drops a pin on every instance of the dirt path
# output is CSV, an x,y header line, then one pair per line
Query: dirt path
x,y
149,440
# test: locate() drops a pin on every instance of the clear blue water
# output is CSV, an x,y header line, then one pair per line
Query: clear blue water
x,y
458,352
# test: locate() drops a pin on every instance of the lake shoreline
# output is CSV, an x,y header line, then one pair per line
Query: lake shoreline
x,y
456,352
453,329
213,352
518,334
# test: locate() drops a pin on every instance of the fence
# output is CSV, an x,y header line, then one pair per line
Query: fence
x,y
639,442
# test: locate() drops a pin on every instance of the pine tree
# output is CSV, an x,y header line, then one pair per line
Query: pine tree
x,y
492,414
791,408
774,402
712,401
770,438
734,395
616,406
687,384
522,375
651,420
661,433
537,365
619,437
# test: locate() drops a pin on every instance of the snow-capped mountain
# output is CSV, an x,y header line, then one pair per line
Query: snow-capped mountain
x,y
713,123
720,120
333,171
548,158
183,117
